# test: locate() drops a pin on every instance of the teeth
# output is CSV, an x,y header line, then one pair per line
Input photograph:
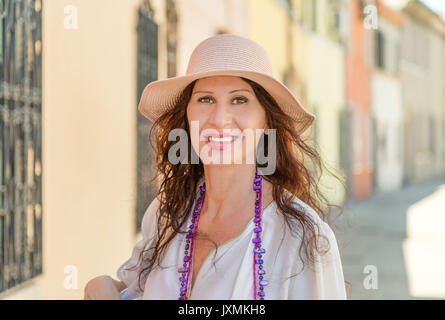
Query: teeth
x,y
225,139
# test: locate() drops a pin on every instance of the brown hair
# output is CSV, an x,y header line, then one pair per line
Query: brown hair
x,y
291,178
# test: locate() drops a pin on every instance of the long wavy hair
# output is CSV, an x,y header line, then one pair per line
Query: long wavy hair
x,y
298,171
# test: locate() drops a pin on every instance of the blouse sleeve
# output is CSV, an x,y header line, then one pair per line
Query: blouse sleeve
x,y
324,279
148,230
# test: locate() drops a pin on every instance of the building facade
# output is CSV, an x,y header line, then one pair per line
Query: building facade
x,y
386,97
422,77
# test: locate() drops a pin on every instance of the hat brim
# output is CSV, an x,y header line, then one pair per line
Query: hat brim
x,y
161,95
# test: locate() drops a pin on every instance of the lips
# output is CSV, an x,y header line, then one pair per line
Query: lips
x,y
220,142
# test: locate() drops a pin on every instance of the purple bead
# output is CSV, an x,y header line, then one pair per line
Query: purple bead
x,y
186,258
258,229
257,220
261,293
259,250
195,215
181,298
256,240
183,289
257,210
262,271
264,283
182,279
191,226
182,270
257,180
259,261
189,236
187,246
257,188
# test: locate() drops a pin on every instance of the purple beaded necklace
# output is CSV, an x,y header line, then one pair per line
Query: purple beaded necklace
x,y
257,251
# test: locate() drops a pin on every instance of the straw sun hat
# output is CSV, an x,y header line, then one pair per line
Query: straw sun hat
x,y
224,54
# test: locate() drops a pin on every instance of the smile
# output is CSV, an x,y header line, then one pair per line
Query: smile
x,y
225,139
220,143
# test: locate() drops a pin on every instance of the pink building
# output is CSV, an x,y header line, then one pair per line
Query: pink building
x,y
358,92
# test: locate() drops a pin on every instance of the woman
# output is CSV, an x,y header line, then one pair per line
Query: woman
x,y
224,227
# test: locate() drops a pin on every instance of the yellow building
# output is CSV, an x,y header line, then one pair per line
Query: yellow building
x,y
304,40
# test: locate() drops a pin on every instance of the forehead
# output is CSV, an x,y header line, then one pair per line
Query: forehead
x,y
220,82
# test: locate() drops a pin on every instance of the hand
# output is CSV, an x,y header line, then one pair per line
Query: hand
x,y
102,288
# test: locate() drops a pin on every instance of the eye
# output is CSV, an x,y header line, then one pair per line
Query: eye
x,y
244,100
205,98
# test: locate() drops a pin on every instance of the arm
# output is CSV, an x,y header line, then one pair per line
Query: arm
x,y
103,288
120,285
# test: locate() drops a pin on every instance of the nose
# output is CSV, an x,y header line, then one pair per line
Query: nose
x,y
220,116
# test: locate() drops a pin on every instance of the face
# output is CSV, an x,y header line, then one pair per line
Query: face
x,y
226,120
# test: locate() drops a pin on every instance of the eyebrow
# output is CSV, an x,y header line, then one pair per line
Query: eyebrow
x,y
229,92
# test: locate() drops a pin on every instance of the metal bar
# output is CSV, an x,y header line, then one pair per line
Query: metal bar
x,y
20,138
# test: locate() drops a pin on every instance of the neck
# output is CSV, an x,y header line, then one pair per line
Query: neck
x,y
229,191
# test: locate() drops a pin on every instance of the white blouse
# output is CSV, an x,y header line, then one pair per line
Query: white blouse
x,y
228,275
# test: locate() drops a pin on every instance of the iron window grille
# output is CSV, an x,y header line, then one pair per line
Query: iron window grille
x,y
20,141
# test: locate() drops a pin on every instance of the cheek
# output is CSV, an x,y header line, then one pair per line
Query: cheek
x,y
251,121
194,113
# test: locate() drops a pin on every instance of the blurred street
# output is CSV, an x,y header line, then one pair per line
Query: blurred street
x,y
401,234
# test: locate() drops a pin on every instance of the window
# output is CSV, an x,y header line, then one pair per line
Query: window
x,y
345,139
309,9
20,142
334,19
147,66
286,5
432,134
314,16
380,50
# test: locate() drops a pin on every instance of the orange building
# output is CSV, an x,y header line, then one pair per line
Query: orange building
x,y
358,93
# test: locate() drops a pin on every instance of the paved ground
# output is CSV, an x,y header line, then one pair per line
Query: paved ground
x,y
402,234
